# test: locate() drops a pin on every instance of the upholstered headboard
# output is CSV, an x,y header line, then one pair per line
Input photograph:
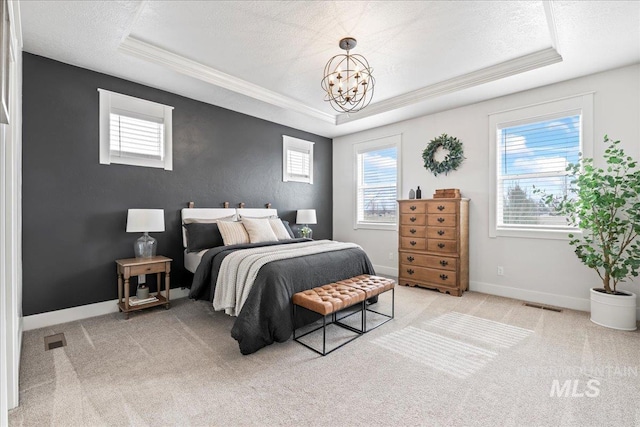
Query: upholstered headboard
x,y
256,212
215,213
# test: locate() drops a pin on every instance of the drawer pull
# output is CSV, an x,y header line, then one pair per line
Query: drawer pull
x,y
440,232
148,268
413,208
441,245
444,263
410,258
440,219
412,243
444,276
440,208
412,219
410,271
412,231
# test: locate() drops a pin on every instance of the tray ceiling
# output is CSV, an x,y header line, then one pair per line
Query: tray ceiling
x,y
266,58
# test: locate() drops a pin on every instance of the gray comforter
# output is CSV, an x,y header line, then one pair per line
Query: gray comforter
x,y
266,314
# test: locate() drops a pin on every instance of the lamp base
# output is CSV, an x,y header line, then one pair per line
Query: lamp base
x,y
306,231
145,246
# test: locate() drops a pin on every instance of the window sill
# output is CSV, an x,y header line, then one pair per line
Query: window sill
x,y
374,226
534,234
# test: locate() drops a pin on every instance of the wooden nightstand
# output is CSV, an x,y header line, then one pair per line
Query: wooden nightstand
x,y
137,266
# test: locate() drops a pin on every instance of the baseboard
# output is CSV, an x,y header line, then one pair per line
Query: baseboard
x,y
43,320
389,271
581,304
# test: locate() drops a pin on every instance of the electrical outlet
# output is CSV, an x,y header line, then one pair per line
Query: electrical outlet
x,y
390,255
142,278
500,270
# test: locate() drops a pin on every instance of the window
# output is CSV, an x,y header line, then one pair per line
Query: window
x,y
532,147
134,131
377,183
297,160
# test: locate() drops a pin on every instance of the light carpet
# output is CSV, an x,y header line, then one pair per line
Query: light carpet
x,y
475,360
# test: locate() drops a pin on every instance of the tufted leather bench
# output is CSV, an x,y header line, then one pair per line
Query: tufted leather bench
x,y
331,298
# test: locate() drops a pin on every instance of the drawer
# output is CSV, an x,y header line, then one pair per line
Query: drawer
x,y
431,261
413,243
413,219
445,246
443,233
418,207
442,207
428,275
442,220
412,230
147,269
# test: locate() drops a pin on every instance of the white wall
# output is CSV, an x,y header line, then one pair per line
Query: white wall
x,y
540,270
10,228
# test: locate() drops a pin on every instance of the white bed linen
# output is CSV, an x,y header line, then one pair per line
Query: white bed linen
x,y
192,260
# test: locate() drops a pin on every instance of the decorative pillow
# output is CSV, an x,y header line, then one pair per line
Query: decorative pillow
x,y
202,236
289,230
259,230
279,229
233,233
209,220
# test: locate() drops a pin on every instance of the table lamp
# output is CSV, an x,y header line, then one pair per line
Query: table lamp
x,y
306,217
145,221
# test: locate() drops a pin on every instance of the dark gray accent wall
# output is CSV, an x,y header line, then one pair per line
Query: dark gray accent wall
x,y
75,209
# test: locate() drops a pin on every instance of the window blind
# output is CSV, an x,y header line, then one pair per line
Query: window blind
x,y
532,156
136,138
298,163
377,185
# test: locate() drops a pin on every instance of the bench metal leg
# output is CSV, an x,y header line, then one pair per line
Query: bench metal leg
x,y
324,351
389,318
324,335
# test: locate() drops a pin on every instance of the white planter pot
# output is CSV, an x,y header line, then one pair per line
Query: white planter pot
x,y
614,311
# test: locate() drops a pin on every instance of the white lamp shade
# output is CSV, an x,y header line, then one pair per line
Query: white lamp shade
x,y
145,220
306,216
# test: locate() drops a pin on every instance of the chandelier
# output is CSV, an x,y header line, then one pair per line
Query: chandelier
x,y
348,81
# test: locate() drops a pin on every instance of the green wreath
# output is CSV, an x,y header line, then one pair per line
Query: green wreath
x,y
453,159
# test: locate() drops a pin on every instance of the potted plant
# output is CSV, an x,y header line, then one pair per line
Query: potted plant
x,y
605,204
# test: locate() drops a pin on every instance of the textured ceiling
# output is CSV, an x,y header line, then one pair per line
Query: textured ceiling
x,y
266,58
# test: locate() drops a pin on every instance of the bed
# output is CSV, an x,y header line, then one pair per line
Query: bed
x,y
255,281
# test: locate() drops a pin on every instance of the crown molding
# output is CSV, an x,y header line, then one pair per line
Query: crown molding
x,y
499,71
207,74
182,65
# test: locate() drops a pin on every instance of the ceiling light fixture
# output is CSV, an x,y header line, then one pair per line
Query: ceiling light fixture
x,y
348,80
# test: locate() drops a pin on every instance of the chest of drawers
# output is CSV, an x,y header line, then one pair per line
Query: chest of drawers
x,y
434,244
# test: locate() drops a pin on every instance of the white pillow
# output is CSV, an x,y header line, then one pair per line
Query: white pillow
x,y
279,229
233,233
259,230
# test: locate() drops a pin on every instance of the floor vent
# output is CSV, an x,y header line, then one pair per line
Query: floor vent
x,y
54,341
542,306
